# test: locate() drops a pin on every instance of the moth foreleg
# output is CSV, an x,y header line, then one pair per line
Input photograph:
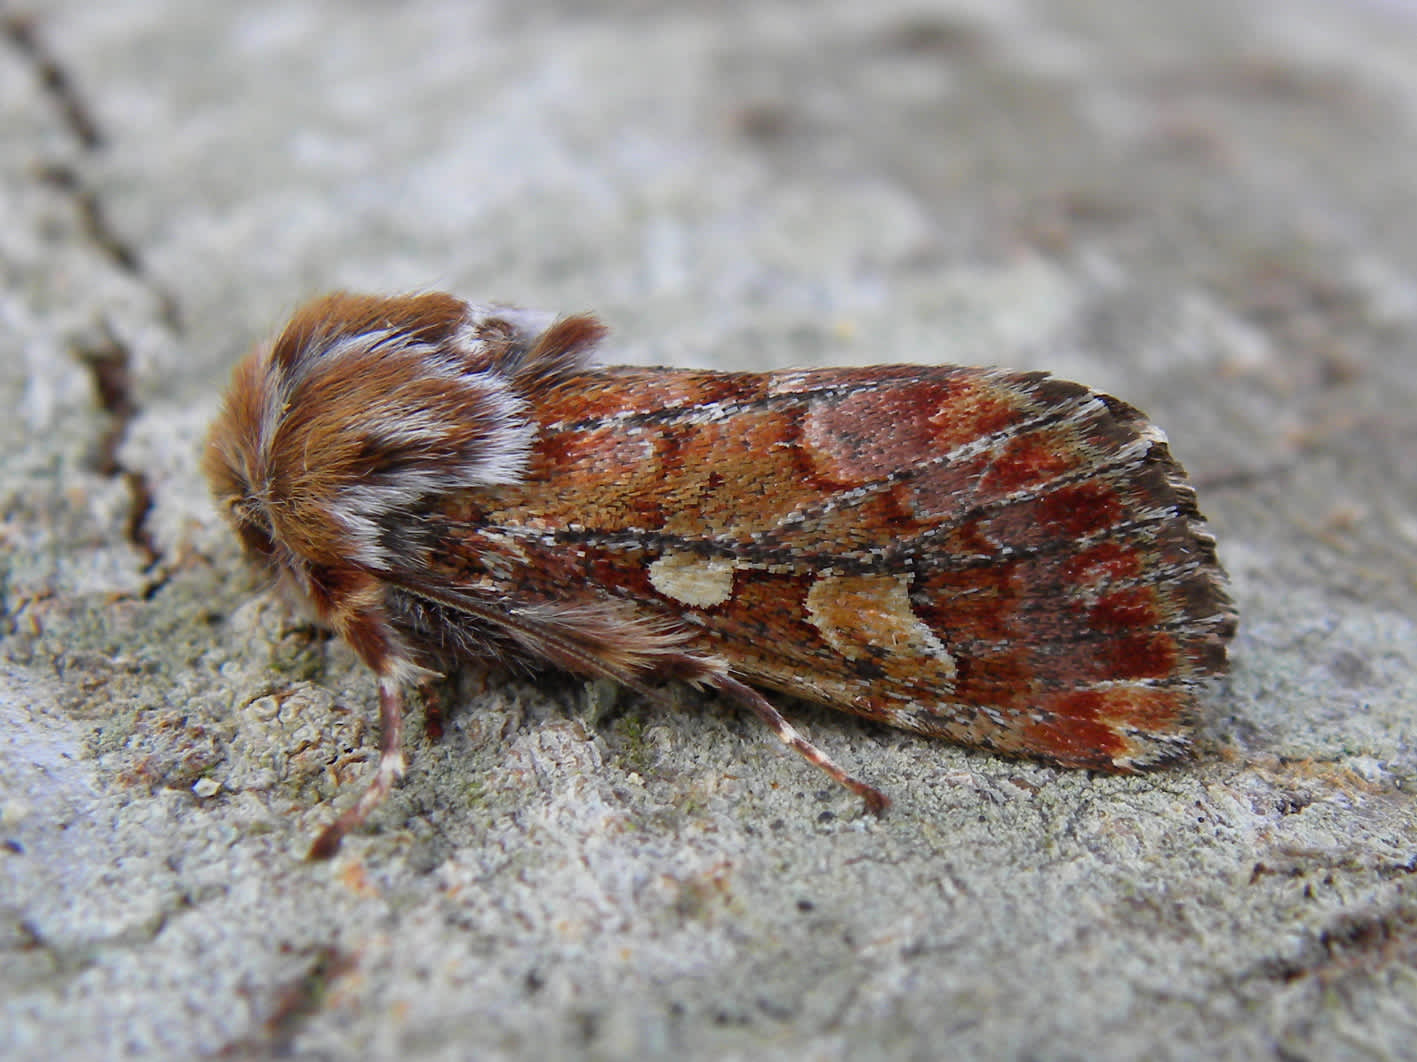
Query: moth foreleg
x,y
390,770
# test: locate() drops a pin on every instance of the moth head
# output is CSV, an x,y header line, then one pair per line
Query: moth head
x,y
337,433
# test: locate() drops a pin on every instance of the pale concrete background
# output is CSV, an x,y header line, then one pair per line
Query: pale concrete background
x,y
1205,208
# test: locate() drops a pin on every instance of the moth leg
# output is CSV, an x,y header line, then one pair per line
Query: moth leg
x,y
468,680
876,801
391,768
433,714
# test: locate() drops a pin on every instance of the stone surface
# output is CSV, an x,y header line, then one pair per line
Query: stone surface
x,y
1206,209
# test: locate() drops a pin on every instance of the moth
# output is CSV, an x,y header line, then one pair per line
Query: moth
x,y
1005,560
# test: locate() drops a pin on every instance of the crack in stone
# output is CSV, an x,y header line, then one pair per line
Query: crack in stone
x,y
110,366
108,361
95,225
78,118
57,84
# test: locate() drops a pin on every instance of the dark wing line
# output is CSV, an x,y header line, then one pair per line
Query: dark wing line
x,y
858,562
862,492
848,563
669,415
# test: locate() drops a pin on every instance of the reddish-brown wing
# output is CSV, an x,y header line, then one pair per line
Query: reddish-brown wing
x,y
1005,560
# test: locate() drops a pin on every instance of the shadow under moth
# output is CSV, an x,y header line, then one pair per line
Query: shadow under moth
x,y
1001,559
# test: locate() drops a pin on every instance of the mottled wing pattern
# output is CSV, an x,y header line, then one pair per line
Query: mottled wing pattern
x,y
1002,559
